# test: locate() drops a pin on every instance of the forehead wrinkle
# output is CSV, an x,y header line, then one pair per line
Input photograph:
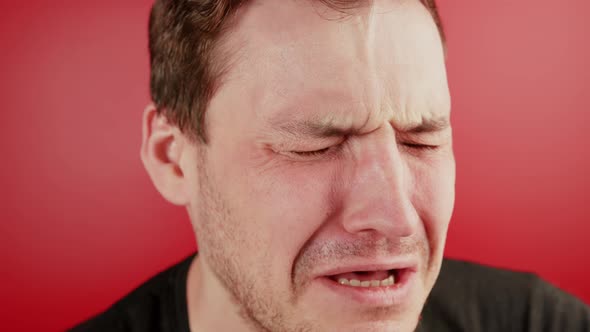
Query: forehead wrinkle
x,y
381,80
384,94
373,90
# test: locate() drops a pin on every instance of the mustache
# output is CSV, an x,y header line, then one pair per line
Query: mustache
x,y
321,253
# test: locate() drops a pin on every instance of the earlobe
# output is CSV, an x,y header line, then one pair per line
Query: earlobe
x,y
161,152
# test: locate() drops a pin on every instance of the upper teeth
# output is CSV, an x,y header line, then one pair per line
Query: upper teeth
x,y
368,283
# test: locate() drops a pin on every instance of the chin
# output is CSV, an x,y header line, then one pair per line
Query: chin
x,y
382,319
379,326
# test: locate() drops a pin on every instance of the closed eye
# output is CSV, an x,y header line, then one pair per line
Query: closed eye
x,y
326,150
417,146
312,153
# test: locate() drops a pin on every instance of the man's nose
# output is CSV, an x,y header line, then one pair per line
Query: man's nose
x,y
378,197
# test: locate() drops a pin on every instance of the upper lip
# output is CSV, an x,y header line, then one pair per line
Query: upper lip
x,y
372,265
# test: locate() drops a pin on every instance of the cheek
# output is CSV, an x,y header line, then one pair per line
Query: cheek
x,y
296,204
281,208
434,197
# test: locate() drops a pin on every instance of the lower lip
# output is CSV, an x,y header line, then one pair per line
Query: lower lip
x,y
397,295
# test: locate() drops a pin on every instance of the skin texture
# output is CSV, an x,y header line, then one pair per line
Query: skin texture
x,y
367,92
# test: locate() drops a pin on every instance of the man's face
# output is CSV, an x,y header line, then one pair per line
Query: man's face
x,y
329,165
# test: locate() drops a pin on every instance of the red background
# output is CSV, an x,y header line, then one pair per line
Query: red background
x,y
81,224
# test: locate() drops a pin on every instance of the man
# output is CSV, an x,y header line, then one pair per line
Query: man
x,y
310,142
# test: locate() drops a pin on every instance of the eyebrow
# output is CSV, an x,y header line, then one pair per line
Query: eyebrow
x,y
314,129
429,125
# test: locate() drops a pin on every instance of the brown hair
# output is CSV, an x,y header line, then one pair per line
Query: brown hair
x,y
183,35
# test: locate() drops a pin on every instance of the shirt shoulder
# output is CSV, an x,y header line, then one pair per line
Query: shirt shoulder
x,y
158,305
473,297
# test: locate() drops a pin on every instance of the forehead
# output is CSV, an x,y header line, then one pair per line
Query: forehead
x,y
299,59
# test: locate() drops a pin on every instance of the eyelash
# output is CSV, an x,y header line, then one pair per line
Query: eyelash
x,y
324,151
314,153
420,146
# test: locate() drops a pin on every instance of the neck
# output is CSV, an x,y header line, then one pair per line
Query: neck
x,y
210,306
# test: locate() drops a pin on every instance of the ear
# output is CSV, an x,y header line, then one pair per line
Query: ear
x,y
162,147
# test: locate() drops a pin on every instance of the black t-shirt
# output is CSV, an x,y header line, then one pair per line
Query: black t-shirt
x,y
467,297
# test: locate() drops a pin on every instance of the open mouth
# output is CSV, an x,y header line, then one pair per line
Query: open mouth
x,y
371,279
372,286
